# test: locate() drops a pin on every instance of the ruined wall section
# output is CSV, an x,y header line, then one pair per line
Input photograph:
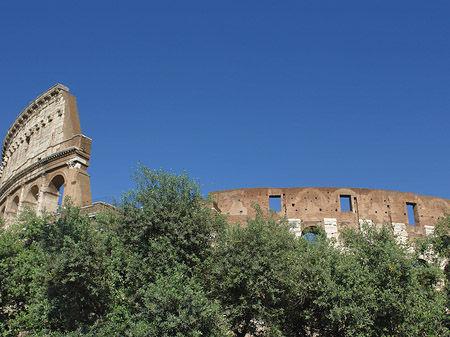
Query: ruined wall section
x,y
43,152
336,208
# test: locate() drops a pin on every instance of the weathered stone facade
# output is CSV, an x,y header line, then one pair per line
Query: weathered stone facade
x,y
43,154
335,208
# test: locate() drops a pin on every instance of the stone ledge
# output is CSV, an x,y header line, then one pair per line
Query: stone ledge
x,y
10,182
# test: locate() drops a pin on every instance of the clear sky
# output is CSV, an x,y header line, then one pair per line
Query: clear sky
x,y
243,93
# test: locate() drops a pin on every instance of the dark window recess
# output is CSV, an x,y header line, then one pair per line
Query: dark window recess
x,y
411,209
275,203
346,203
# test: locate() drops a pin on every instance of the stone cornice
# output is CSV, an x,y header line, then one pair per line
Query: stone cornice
x,y
281,190
55,156
29,110
58,144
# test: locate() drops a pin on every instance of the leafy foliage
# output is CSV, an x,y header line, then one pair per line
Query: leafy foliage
x,y
398,300
252,273
168,208
163,265
272,284
163,236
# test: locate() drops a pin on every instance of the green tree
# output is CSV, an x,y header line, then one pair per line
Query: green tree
x,y
252,272
330,296
164,232
436,248
270,283
21,259
397,301
167,208
54,275
76,254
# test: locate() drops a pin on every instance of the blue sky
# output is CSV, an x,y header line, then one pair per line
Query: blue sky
x,y
244,93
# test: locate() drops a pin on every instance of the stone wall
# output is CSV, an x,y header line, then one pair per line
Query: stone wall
x,y
43,154
335,208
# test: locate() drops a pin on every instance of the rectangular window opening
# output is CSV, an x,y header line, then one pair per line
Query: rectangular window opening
x,y
275,203
412,213
346,203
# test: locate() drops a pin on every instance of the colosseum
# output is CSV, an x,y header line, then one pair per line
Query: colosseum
x,y
45,158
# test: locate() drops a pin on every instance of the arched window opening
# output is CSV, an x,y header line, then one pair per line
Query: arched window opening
x,y
14,206
56,183
32,196
312,233
34,193
56,188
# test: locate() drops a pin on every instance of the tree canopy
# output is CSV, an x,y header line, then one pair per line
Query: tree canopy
x,y
162,264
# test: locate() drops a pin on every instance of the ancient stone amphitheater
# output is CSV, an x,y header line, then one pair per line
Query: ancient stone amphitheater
x,y
45,158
